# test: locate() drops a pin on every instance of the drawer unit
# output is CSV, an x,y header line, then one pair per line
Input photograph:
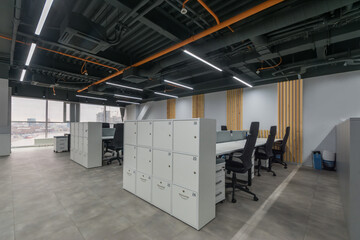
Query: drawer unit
x,y
161,194
186,137
130,156
185,205
144,133
220,195
130,133
162,164
144,160
143,186
163,135
129,179
186,171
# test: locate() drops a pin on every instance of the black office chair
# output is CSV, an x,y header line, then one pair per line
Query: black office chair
x,y
117,144
223,128
107,142
105,125
265,152
240,162
280,149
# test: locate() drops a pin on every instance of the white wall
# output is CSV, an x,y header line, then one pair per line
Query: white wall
x,y
183,108
131,112
260,104
215,108
157,110
328,100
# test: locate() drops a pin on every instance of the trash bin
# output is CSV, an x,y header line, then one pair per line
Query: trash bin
x,y
317,160
329,160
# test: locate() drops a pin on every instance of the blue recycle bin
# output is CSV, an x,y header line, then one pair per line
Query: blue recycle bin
x,y
317,160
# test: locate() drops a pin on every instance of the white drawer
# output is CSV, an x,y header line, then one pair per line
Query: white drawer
x,y
161,194
130,156
220,169
162,164
220,180
144,160
129,179
186,171
220,196
143,186
184,204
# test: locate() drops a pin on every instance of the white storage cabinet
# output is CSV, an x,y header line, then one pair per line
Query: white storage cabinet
x,y
60,144
171,164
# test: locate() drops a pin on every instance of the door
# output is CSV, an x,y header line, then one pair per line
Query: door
x,y
130,133
143,186
145,134
186,137
129,179
130,156
162,164
144,160
184,205
163,135
186,171
161,194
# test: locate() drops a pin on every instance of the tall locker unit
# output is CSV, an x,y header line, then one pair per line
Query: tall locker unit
x,y
171,164
86,144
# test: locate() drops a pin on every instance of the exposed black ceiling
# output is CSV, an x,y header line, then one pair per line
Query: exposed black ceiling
x,y
302,38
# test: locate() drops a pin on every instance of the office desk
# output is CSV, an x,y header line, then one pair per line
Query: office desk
x,y
229,147
104,138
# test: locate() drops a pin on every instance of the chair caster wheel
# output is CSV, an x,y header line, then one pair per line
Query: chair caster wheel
x,y
285,167
233,201
256,199
274,174
258,175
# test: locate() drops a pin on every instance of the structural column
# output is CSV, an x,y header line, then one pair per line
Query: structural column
x,y
5,117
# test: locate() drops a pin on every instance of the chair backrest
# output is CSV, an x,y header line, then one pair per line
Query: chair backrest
x,y
105,125
250,145
119,135
283,145
223,128
270,141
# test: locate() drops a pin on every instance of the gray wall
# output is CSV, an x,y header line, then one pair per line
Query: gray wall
x,y
131,112
260,104
328,100
215,108
183,108
5,117
157,110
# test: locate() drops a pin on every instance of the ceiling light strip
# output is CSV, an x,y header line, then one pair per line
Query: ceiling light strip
x,y
202,60
125,96
242,81
121,101
96,98
178,84
22,75
167,95
123,86
31,52
43,16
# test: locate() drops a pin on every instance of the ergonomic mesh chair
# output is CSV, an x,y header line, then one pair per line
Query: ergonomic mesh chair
x,y
265,152
241,162
280,149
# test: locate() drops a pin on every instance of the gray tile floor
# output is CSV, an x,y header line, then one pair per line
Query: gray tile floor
x,y
44,195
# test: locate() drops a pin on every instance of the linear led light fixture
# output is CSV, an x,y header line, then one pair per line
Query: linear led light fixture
x,y
200,59
22,75
167,95
83,96
121,101
242,81
43,16
123,86
31,52
125,96
178,84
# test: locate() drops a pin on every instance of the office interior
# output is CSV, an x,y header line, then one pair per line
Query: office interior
x,y
171,119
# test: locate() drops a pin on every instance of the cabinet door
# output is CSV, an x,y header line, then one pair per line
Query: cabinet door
x,y
161,194
145,134
186,171
76,129
162,164
184,205
143,186
163,135
130,133
81,129
86,130
144,160
129,179
130,156
186,137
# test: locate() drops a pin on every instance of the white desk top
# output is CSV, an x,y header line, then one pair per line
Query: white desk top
x,y
228,147
107,137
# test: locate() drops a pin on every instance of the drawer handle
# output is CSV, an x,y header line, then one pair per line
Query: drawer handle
x,y
169,165
218,182
184,196
143,179
218,194
129,174
218,170
161,187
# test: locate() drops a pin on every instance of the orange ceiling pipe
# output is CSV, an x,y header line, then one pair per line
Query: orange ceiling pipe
x,y
64,54
194,38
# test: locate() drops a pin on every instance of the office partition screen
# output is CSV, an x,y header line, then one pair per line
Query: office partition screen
x,y
98,113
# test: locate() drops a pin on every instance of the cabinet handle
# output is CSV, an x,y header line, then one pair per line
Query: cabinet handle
x,y
169,165
183,196
218,182
143,179
129,174
161,187
218,170
218,194
195,137
149,160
